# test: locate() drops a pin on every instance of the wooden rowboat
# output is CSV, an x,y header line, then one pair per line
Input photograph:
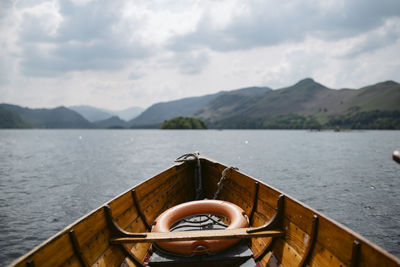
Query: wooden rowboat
x,y
281,232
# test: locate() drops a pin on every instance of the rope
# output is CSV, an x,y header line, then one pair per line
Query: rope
x,y
222,180
197,174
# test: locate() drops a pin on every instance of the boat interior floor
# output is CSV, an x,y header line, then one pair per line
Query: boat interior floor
x,y
238,255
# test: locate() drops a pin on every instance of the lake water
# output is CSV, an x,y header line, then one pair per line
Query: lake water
x,y
50,178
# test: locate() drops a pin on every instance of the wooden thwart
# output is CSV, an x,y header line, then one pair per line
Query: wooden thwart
x,y
197,235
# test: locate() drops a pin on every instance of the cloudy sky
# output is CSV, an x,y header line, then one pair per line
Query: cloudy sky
x,y
117,54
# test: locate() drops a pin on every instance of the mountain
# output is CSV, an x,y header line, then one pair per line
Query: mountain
x,y
160,112
304,104
230,102
60,117
187,107
11,120
306,98
126,114
92,114
113,122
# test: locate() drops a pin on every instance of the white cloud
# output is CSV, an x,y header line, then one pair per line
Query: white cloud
x,y
116,54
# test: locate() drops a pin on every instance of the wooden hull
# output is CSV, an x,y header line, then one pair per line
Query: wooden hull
x,y
310,239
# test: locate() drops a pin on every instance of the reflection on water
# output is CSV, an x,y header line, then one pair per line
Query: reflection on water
x,y
50,178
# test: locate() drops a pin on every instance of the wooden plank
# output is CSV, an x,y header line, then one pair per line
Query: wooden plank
x,y
258,244
139,250
295,237
286,254
154,183
230,195
170,197
97,246
165,192
149,197
371,256
323,257
266,210
72,262
299,215
88,228
126,218
113,256
233,188
335,239
121,204
55,253
268,195
197,235
244,182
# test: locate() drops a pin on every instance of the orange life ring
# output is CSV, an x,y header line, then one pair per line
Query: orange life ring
x,y
163,223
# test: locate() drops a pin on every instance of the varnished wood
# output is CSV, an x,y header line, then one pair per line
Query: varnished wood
x,y
311,241
197,235
305,241
255,201
264,251
355,253
77,248
135,201
115,228
130,255
276,220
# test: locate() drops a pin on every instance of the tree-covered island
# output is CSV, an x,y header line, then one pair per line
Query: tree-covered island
x,y
183,123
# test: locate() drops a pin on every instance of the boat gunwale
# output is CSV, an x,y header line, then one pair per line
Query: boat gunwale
x,y
65,230
334,222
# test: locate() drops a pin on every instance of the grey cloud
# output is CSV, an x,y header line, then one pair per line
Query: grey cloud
x,y
192,62
3,72
5,6
276,22
375,41
68,57
135,76
94,20
86,39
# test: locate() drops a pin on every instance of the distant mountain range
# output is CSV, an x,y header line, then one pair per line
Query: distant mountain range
x,y
94,114
306,104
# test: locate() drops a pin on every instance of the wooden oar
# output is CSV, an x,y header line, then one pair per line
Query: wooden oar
x,y
396,156
197,235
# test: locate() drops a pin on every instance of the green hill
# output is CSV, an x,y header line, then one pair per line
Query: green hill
x,y
185,107
312,101
160,112
11,120
59,117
